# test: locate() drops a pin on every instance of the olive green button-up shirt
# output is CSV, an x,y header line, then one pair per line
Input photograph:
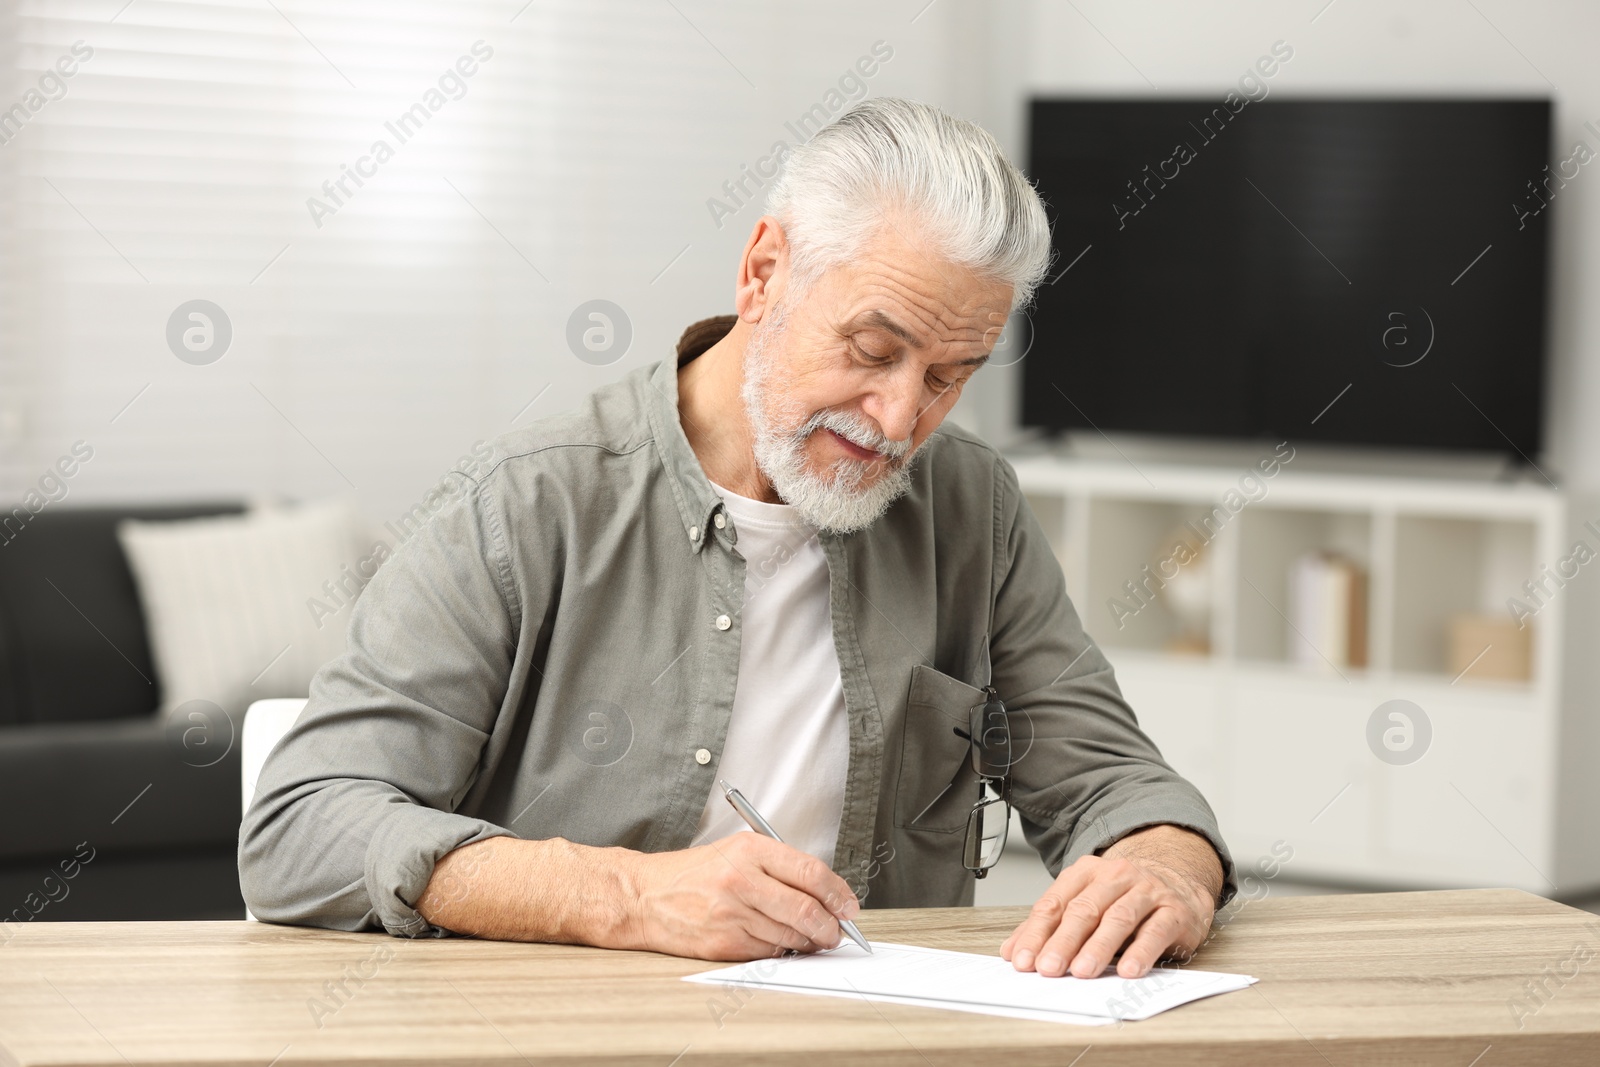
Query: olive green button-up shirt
x,y
555,655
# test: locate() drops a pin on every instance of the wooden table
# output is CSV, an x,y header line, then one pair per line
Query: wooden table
x,y
1402,978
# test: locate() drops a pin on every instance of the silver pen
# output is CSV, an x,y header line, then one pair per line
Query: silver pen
x,y
749,814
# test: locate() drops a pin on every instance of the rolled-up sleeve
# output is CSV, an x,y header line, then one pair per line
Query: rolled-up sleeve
x,y
357,803
1085,773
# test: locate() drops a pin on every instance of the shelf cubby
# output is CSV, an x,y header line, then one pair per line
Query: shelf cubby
x,y
1124,606
1450,566
1271,539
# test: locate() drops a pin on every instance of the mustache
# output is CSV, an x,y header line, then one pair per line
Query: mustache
x,y
858,430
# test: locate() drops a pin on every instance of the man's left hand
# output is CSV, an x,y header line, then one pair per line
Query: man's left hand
x,y
1153,891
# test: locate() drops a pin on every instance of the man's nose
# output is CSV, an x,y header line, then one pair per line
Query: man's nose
x,y
900,403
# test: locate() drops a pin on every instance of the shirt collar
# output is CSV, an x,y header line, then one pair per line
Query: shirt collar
x,y
698,502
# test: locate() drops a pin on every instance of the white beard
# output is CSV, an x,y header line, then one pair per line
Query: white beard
x,y
836,501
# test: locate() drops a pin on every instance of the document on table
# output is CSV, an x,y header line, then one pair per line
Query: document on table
x,y
964,981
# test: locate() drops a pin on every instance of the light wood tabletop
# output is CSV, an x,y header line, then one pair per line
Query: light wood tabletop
x,y
1479,978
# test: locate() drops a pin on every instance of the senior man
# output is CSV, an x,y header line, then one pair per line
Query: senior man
x,y
762,561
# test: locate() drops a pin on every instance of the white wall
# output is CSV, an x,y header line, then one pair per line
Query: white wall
x,y
381,344
1136,47
408,326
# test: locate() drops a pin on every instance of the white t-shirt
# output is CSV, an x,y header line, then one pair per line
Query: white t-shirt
x,y
788,746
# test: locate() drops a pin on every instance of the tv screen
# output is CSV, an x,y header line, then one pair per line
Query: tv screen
x,y
1362,271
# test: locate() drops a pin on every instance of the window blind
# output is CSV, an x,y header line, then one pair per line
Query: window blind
x,y
386,308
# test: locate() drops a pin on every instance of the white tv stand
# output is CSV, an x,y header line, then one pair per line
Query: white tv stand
x,y
1508,790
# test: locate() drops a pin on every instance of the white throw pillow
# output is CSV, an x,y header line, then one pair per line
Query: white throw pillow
x,y
227,600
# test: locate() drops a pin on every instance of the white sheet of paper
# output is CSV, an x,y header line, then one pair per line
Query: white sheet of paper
x,y
964,981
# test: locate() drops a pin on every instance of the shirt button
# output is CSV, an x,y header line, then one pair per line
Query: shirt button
x,y
702,756
721,520
723,622
694,533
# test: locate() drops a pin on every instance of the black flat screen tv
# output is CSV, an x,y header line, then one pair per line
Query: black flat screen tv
x,y
1360,271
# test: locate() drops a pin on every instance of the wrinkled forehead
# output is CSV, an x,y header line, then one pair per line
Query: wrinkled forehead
x,y
922,299
928,329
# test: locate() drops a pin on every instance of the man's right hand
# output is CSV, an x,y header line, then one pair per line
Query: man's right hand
x,y
744,897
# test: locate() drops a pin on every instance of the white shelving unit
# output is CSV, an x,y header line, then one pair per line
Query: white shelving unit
x,y
1506,791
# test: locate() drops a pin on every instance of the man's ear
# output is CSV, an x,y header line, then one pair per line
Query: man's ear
x,y
763,270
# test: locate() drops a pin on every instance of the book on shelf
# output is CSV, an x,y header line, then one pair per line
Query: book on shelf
x,y
1328,612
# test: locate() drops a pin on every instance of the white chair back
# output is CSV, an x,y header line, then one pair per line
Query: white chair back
x,y
265,723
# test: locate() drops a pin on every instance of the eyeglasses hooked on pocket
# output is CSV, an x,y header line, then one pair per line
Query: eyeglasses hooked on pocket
x,y
940,765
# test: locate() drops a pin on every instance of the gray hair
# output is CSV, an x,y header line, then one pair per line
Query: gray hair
x,y
947,175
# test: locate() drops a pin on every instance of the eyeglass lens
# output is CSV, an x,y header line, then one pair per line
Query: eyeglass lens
x,y
986,833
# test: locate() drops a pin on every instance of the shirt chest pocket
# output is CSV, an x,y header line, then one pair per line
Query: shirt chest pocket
x,y
938,785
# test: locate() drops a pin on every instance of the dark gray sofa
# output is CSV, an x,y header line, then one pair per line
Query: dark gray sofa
x,y
143,815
